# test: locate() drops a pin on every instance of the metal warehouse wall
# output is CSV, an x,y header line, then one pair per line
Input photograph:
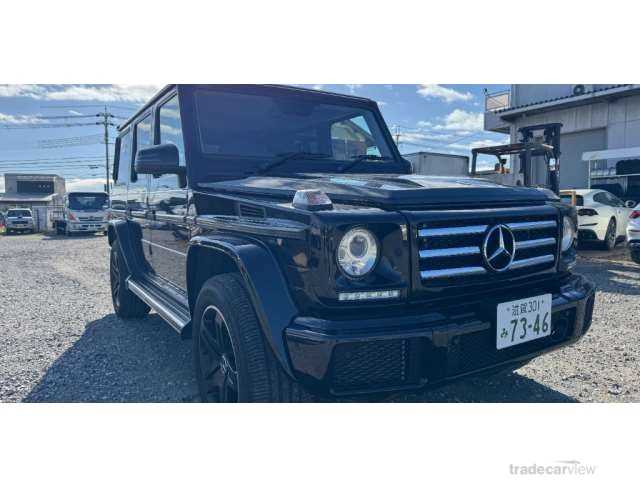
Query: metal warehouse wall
x,y
613,125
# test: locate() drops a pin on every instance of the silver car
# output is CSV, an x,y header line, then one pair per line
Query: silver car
x,y
19,220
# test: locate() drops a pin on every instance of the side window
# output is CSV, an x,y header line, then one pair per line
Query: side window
x,y
603,198
352,137
124,159
171,127
600,198
144,138
615,201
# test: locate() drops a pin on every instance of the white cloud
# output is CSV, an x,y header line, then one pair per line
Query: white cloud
x,y
381,103
353,87
419,138
105,93
318,86
99,93
443,93
1,183
461,120
475,144
19,119
85,184
22,90
74,112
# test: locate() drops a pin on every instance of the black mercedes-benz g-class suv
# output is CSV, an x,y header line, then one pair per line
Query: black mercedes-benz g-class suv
x,y
281,230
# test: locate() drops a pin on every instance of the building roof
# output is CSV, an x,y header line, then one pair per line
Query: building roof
x,y
587,95
25,197
33,175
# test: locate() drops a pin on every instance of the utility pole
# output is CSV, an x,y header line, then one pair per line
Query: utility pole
x,y
106,123
397,136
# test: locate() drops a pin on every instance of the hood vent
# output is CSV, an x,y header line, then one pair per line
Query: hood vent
x,y
251,211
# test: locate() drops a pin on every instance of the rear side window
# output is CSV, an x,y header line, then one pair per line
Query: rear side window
x,y
604,199
143,133
124,159
144,138
171,126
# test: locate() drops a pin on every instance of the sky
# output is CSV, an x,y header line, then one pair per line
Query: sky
x,y
51,128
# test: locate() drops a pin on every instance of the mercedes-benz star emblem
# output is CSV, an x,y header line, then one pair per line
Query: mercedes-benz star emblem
x,y
499,248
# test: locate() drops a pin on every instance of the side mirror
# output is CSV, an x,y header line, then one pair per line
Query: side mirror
x,y
630,204
159,160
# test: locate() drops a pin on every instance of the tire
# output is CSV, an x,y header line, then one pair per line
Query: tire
x,y
125,303
610,237
233,362
635,255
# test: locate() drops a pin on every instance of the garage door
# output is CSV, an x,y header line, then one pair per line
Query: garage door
x,y
573,171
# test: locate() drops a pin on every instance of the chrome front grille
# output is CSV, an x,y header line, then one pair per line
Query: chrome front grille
x,y
454,253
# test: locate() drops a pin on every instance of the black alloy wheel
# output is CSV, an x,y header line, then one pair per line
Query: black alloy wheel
x,y
114,275
217,358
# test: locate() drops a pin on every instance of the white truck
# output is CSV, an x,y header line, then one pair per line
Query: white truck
x,y
84,212
440,164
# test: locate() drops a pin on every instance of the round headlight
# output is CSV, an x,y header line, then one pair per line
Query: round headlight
x,y
357,252
569,234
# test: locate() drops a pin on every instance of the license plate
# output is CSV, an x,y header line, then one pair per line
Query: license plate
x,y
524,320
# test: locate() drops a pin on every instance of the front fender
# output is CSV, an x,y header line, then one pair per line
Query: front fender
x,y
265,284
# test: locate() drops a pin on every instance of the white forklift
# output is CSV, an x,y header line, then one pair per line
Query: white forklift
x,y
538,150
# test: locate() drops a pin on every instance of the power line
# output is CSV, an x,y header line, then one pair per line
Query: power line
x,y
102,105
30,126
70,141
78,157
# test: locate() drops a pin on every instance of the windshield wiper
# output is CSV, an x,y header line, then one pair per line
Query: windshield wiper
x,y
361,158
285,157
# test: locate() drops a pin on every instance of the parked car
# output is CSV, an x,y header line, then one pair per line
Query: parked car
x,y
19,220
84,212
281,230
633,234
602,217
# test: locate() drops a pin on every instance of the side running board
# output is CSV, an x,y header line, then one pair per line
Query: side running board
x,y
174,315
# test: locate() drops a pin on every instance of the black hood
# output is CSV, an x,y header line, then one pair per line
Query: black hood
x,y
387,191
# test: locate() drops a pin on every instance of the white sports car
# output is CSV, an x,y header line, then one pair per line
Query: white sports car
x,y
633,234
602,217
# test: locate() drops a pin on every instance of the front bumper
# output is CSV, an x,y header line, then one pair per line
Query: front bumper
x,y
20,226
405,353
592,228
87,226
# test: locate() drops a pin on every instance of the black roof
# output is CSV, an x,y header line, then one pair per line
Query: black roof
x,y
162,92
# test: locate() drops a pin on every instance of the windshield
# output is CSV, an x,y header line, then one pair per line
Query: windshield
x,y
18,213
87,201
261,129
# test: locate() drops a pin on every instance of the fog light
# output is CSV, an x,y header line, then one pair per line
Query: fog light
x,y
377,295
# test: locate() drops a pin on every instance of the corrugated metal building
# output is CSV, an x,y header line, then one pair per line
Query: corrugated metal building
x,y
30,190
596,119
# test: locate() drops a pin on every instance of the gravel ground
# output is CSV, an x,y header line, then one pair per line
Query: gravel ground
x,y
60,342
